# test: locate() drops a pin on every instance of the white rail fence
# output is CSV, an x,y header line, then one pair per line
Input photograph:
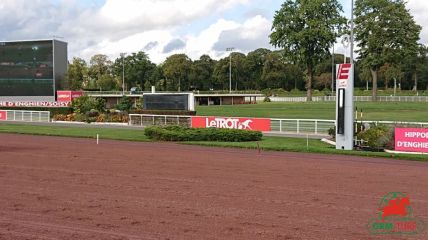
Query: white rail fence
x,y
25,116
302,126
356,98
163,120
286,126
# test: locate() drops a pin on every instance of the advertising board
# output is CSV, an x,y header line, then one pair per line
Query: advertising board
x,y
254,124
411,139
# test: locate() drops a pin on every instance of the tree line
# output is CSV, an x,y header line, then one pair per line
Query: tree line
x,y
304,31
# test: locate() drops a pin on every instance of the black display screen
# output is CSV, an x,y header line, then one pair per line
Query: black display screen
x,y
165,101
26,68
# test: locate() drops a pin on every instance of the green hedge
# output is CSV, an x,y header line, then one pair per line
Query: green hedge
x,y
178,133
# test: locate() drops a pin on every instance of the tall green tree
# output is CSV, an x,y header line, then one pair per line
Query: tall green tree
x,y
386,33
100,64
201,74
306,30
137,68
254,65
77,73
177,68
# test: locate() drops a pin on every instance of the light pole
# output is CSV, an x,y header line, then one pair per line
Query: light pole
x,y
230,67
333,66
123,72
352,32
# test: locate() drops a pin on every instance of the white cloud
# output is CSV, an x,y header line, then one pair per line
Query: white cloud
x,y
252,34
419,9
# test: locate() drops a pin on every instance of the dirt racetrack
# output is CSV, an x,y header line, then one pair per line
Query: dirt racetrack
x,y
69,188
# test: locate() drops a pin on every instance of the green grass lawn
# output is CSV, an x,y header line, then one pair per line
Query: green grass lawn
x,y
267,143
89,132
386,111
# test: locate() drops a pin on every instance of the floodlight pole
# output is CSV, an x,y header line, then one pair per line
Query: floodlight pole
x,y
230,67
352,32
123,73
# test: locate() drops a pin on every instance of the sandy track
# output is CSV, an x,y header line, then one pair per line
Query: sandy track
x,y
68,188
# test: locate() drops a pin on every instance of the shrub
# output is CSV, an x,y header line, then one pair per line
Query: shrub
x,y
377,136
266,99
179,133
125,104
85,104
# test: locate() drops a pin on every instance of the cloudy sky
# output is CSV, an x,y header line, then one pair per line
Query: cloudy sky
x,y
157,27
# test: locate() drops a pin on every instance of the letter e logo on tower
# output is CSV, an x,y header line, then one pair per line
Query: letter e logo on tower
x,y
343,75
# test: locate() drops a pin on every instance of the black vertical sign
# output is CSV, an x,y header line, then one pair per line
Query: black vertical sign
x,y
341,111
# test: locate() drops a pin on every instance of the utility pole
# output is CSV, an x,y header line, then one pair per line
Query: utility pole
x,y
123,73
230,49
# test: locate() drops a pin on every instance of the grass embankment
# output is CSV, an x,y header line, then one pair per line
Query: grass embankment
x,y
267,143
379,111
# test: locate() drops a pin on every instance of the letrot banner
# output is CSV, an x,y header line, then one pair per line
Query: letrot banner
x,y
411,139
252,124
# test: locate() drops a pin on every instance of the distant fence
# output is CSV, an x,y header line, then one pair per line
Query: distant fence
x,y
356,98
24,116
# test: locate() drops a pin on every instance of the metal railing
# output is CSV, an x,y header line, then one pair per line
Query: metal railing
x,y
162,120
286,126
26,116
356,98
398,123
302,126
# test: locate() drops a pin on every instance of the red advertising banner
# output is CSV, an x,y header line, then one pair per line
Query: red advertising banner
x,y
3,115
411,139
254,124
35,104
68,96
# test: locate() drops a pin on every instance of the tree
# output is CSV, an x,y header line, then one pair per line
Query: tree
x,y
306,30
254,64
278,73
77,74
201,73
99,65
221,74
177,68
137,67
386,33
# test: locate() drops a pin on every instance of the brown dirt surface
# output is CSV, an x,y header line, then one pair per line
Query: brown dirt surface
x,y
70,188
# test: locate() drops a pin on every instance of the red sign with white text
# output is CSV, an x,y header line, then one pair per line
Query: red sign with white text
x,y
67,96
34,104
411,139
343,74
252,124
3,115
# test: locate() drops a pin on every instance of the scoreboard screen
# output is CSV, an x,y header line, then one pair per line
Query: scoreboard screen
x,y
26,68
166,101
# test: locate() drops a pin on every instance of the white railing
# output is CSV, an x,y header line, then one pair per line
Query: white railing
x,y
356,98
149,120
26,116
302,126
399,123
